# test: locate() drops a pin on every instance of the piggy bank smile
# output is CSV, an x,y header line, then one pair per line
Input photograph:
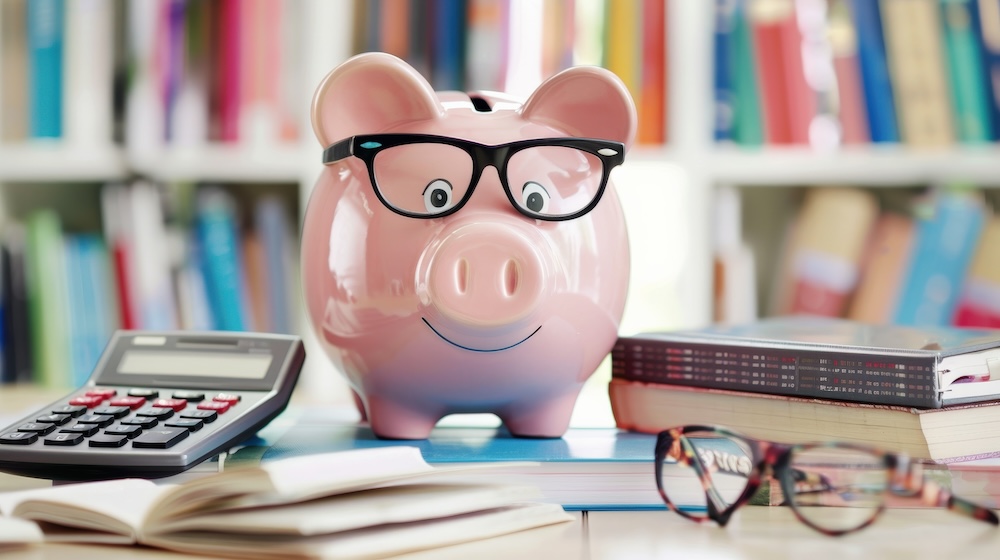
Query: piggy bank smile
x,y
466,255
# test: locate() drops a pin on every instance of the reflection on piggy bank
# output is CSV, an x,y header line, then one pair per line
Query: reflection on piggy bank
x,y
466,253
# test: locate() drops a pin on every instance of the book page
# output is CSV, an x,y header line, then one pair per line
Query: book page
x,y
356,510
15,533
373,542
111,506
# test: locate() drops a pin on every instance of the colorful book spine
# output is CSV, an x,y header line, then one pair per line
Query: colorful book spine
x,y
45,46
652,102
960,20
748,128
47,299
724,69
14,70
947,231
768,19
881,108
989,36
852,113
221,259
979,302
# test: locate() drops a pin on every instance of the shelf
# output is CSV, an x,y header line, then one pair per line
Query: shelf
x,y
225,163
58,162
871,165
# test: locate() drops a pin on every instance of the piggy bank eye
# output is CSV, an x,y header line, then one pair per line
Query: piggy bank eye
x,y
437,196
534,198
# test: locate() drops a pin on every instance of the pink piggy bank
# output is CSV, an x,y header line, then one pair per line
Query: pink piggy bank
x,y
466,254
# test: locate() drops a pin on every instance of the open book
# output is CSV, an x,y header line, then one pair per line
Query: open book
x,y
363,503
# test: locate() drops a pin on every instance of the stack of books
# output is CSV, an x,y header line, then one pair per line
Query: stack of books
x,y
930,392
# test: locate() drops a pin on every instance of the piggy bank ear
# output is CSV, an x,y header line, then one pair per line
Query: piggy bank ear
x,y
370,93
584,101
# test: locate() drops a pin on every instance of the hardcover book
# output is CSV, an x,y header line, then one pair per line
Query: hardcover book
x,y
586,469
952,434
821,357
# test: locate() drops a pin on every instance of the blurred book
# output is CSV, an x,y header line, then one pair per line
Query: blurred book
x,y
960,23
882,270
979,301
880,104
586,469
950,434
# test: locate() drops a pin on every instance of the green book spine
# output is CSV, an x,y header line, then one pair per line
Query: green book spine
x,y
47,299
747,127
968,90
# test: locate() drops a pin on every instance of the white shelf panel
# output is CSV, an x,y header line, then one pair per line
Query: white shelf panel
x,y
58,162
874,166
228,163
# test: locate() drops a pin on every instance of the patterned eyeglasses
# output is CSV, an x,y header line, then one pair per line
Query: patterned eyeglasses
x,y
426,176
706,472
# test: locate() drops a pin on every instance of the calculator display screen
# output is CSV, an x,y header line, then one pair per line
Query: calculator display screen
x,y
213,364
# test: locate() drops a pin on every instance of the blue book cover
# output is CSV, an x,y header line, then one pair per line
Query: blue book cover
x,y
947,231
722,48
45,51
448,57
221,260
987,22
875,71
586,469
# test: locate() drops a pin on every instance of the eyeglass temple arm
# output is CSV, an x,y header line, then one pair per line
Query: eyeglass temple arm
x,y
933,494
339,151
716,505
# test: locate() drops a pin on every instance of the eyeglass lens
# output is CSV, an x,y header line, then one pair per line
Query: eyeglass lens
x,y
853,480
727,463
430,178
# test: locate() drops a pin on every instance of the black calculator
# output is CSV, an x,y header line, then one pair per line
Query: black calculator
x,y
157,404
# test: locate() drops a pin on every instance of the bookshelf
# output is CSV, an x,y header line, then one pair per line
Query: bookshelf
x,y
669,191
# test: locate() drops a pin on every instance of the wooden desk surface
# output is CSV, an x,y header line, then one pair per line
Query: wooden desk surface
x,y
756,532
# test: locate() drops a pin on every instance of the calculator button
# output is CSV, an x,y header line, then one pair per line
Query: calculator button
x,y
89,402
217,406
105,394
113,411
189,396
158,412
176,405
64,438
131,402
107,440
72,410
206,416
38,428
186,423
56,419
98,420
160,439
226,397
144,393
124,430
141,421
19,438
85,429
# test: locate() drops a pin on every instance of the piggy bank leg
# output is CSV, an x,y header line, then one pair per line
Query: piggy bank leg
x,y
392,420
360,405
542,419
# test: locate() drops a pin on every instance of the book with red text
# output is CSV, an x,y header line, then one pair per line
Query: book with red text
x,y
821,357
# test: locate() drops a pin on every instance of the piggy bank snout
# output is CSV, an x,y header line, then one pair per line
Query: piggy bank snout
x,y
485,275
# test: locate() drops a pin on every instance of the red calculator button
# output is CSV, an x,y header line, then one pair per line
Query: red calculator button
x,y
103,393
131,402
227,398
89,402
218,406
176,404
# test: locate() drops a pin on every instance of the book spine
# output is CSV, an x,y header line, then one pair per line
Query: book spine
x,y
747,126
13,70
858,377
724,69
653,75
768,19
844,43
45,45
875,72
968,89
989,36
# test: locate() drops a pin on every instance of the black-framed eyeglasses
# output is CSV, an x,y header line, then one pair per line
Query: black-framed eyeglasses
x,y
427,176
707,472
